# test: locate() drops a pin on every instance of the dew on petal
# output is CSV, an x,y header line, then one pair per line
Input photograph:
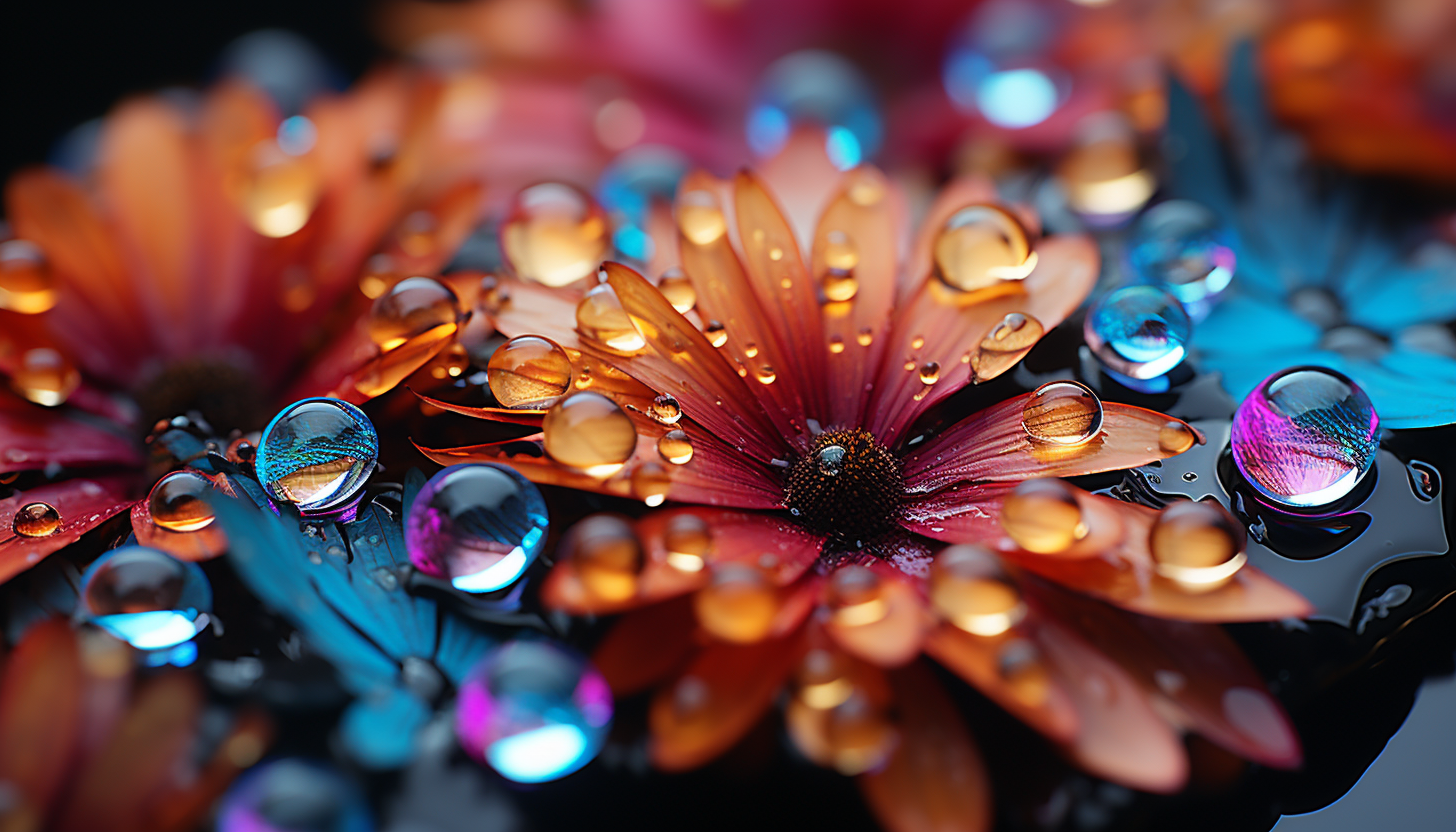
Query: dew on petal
x,y
1182,247
853,735
678,289
528,371
1043,516
688,541
651,483
1197,545
279,192
36,520
856,597
1062,413
865,337
145,597
1005,344
477,525
414,307
981,246
929,372
841,258
606,555
717,333
589,432
699,217
739,603
555,234
836,344
317,454
676,447
177,502
765,374
666,410
45,377
1175,437
600,317
970,589
1140,332
27,285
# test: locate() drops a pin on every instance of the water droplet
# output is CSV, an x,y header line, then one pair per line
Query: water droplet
x,y
841,258
1175,437
836,344
717,333
765,374
147,598
606,555
478,525
666,410
630,188
378,275
555,234
601,318
820,88
1197,545
1062,413
688,540
1305,436
866,189
244,449
590,432
739,603
750,350
45,377
528,371
293,795
651,483
830,460
1182,247
853,735
678,289
385,579
493,296
317,454
929,372
37,520
856,597
981,246
534,711
865,337
26,283
1102,175
279,192
999,65
675,447
1043,516
1004,345
970,589
776,254
1138,331
177,502
412,308
418,234
700,219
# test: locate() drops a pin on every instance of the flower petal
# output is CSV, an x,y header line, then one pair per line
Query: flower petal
x,y
34,438
976,659
83,505
895,637
40,710
962,513
646,645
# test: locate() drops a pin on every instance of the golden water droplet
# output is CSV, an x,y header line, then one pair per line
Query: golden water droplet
x,y
929,372
742,371
1043,516
45,377
280,191
1197,545
666,410
1020,666
1003,345
839,286
26,283
37,520
675,447
852,737
917,342
1062,413
856,597
699,217
717,333
607,556
766,374
418,234
688,540
865,337
176,502
970,589
909,365
583,378
867,188
651,483
980,246
739,603
450,362
1102,176
678,289
379,274
555,234
1175,437
589,432
822,679
601,318
836,344
414,307
528,371
750,350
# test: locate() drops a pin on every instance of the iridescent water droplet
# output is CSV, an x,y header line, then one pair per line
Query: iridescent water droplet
x,y
1062,413
145,597
293,795
317,454
601,318
26,283
739,603
414,307
606,556
651,483
478,525
981,246
177,502
1197,545
36,520
279,192
528,371
676,447
700,219
666,410
1182,247
970,589
688,540
717,333
678,289
819,88
1043,516
1138,331
555,234
45,377
1305,436
590,432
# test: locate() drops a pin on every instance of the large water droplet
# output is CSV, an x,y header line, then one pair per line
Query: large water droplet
x,y
981,246
1104,178
45,377
739,603
970,589
26,283
852,735
293,795
555,234
601,318
841,258
1305,436
678,289
1062,413
177,502
279,192
606,555
412,308
528,371
1197,545
1138,331
145,597
819,88
590,432
676,447
478,525
533,711
1182,247
36,520
317,454
1043,516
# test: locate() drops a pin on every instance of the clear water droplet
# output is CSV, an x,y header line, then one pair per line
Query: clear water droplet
x,y
589,432
36,520
601,318
1197,545
856,597
317,454
45,377
1140,332
177,502
555,234
1182,247
145,597
981,246
528,371
970,589
689,541
676,447
1004,345
830,460
1062,413
412,308
666,410
1043,516
477,525
765,374
1103,176
651,483
26,283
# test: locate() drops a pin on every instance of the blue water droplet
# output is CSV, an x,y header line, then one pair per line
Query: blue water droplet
x,y
1140,332
317,454
533,711
1182,247
998,64
629,187
293,795
478,525
821,88
146,597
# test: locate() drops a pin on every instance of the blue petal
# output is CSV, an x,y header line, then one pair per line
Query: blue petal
x,y
1243,372
1399,297
1241,325
1197,164
379,730
1411,389
461,646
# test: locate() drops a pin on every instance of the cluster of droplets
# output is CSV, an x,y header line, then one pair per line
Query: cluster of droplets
x,y
479,526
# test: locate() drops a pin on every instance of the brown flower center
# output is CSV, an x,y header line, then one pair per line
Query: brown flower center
x,y
848,485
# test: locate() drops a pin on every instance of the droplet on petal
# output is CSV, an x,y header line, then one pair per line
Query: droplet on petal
x,y
856,597
1043,516
1140,332
766,374
841,258
666,410
1104,179
821,88
1182,247
601,318
854,735
478,525
555,234
651,483
865,337
26,283
589,432
739,603
1305,436
317,454
1197,545
606,555
1004,345
528,371
717,333
981,246
1175,437
45,377
293,795
836,344
534,711
145,597
678,289
279,192
1062,413
929,372
177,502
412,308
36,520
699,217
688,541
970,589
676,447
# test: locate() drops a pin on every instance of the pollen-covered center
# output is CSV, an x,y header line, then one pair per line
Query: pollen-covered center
x,y
847,484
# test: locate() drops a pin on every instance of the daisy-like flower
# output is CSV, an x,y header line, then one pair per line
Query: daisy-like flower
x,y
830,539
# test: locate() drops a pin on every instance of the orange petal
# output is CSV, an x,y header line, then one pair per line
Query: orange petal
x,y
40,709
83,505
205,543
957,194
802,177
646,645
895,636
977,660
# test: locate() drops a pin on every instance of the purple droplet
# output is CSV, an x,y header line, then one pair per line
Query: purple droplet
x,y
477,525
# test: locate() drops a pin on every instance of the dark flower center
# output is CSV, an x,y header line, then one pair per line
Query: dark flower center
x,y
226,396
847,485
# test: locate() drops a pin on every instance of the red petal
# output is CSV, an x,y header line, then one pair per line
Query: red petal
x,y
976,659
40,709
83,505
962,513
34,438
646,645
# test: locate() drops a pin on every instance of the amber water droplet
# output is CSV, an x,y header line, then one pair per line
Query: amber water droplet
x,y
852,737
980,246
867,188
45,377
699,217
929,372
1197,545
969,588
840,257
26,283
856,596
688,540
601,318
379,274
822,679
1102,176
675,447
766,374
836,344
607,556
1175,437
717,333
1019,664
917,342
412,308
590,432
1043,516
280,191
583,378
555,234
418,234
177,502
666,410
1004,344
865,337
37,520
1062,413
738,604
750,350
493,296
450,362
528,371
678,289
651,483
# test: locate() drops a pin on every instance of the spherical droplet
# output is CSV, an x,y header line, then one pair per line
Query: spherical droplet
x,y
378,275
1175,437
981,246
534,711
717,333
26,283
590,432
294,795
1197,545
929,372
865,337
853,736
688,540
631,186
766,374
675,447
412,308
45,377
970,589
1043,516
601,318
1140,332
1305,436
856,596
606,555
36,520
1062,413
555,234
841,258
177,502
1182,247
478,525
651,483
528,371
666,410
836,344
739,603
317,454
999,64
147,598
678,289
280,191
700,219
1103,176
820,88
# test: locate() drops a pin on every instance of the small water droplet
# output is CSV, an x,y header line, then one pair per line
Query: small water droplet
x,y
177,504
528,371
37,520
929,372
841,258
1043,516
27,285
606,556
651,483
678,289
1062,413
1174,437
700,219
555,234
917,342
970,589
717,333
666,410
413,308
675,447
865,337
589,432
386,579
750,350
1182,247
766,374
836,344
739,603
45,377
